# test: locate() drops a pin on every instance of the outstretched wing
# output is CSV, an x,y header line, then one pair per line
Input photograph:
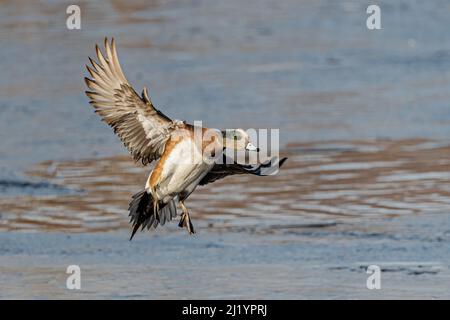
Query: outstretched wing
x,y
220,171
143,129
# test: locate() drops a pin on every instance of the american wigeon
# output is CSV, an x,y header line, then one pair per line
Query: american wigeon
x,y
183,162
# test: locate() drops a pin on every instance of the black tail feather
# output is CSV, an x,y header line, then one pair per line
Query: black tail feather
x,y
141,209
142,212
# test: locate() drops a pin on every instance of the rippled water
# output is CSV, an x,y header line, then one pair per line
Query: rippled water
x,y
334,209
322,185
363,116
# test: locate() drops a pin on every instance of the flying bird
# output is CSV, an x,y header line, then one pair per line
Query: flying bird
x,y
182,161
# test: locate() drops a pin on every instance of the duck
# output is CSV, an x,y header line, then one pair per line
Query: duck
x,y
184,155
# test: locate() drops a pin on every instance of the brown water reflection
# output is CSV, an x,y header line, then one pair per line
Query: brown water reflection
x,y
323,185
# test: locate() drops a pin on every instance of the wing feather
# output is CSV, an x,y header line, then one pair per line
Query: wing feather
x,y
143,129
220,171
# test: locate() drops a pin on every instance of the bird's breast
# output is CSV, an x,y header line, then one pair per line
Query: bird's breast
x,y
178,171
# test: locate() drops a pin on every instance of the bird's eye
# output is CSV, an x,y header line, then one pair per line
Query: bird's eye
x,y
236,138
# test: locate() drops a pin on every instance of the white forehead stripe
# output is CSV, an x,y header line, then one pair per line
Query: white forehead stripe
x,y
250,147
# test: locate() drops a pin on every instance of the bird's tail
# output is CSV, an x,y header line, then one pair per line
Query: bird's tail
x,y
143,213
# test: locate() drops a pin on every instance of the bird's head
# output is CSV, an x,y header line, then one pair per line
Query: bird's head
x,y
237,139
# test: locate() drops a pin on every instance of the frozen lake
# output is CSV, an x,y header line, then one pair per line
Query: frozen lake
x,y
364,118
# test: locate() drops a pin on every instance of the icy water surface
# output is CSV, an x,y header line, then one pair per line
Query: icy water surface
x,y
310,68
309,232
310,263
364,118
322,185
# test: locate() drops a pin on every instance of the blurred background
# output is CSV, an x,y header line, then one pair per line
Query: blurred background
x,y
364,118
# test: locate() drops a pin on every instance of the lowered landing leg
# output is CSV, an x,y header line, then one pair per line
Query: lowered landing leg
x,y
185,221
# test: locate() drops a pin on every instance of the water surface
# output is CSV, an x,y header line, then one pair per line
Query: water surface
x,y
363,115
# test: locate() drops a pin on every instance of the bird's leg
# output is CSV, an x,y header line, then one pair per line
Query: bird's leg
x,y
185,220
155,202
